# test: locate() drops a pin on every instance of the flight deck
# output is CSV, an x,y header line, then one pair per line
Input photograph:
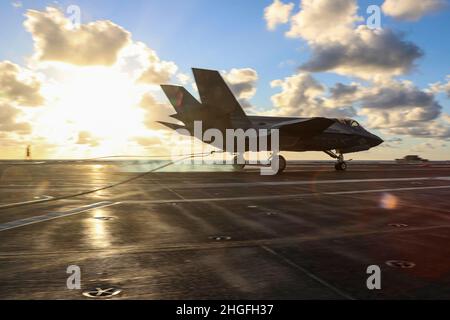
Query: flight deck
x,y
310,233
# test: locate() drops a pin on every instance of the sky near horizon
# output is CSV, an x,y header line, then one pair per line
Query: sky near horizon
x,y
76,91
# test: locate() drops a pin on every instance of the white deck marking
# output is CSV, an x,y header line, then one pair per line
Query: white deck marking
x,y
289,183
287,196
308,273
54,215
254,184
41,198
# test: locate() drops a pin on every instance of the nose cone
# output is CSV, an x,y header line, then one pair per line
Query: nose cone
x,y
375,141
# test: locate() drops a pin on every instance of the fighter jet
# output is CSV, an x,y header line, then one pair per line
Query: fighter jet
x,y
219,109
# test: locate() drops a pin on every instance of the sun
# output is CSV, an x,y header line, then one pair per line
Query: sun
x,y
100,100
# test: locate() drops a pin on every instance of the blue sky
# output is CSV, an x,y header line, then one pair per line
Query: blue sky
x,y
230,34
227,34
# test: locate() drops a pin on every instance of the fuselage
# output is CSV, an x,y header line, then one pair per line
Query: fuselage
x,y
219,111
345,135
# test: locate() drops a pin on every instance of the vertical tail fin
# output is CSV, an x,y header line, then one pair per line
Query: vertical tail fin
x,y
215,94
187,107
180,98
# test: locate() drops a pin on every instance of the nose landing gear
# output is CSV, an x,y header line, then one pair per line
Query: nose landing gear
x,y
340,165
281,163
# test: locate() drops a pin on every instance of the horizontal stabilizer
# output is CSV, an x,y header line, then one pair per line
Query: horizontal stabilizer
x,y
304,127
180,98
173,126
178,116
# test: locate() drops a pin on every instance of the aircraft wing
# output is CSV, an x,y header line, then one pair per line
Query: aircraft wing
x,y
304,127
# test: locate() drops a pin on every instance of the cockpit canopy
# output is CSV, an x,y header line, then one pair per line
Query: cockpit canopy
x,y
350,122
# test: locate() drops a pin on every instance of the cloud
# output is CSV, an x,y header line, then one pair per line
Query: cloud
x,y
431,130
441,87
394,107
340,45
340,90
156,70
148,141
155,111
400,108
398,104
277,13
411,10
302,95
324,20
426,146
86,138
242,83
184,78
363,54
9,120
394,142
17,88
56,39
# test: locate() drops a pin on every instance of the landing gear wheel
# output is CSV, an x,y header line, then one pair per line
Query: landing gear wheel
x,y
340,166
236,165
281,164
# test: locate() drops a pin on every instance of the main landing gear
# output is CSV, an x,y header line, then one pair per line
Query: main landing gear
x,y
239,163
340,165
282,163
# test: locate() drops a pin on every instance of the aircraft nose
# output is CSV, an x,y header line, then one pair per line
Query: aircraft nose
x,y
375,141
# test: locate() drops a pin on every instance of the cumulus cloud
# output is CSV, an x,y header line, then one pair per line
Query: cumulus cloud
x,y
441,87
148,141
277,13
342,46
324,20
439,128
342,91
364,54
302,95
339,43
242,83
86,138
434,130
183,78
17,88
156,70
426,146
396,104
395,107
400,108
9,122
155,111
411,10
56,39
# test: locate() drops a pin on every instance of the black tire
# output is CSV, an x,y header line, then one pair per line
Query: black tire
x,y
237,166
340,166
281,164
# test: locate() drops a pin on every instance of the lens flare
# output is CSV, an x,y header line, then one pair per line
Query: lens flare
x,y
388,201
